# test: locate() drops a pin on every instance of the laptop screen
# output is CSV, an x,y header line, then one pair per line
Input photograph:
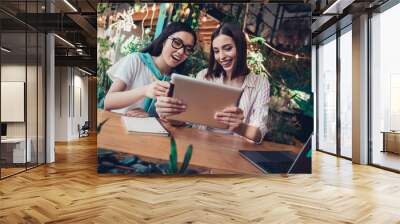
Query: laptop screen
x,y
281,161
302,163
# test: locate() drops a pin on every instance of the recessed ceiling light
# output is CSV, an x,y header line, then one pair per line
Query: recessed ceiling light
x,y
70,5
64,40
86,72
5,50
338,6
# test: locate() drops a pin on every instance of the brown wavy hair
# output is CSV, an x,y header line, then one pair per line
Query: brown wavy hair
x,y
216,70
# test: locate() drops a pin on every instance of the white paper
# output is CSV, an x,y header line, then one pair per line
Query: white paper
x,y
144,125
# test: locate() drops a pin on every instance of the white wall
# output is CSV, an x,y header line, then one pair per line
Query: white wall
x,y
34,124
50,96
70,83
12,73
61,103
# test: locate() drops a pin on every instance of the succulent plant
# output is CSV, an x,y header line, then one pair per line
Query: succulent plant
x,y
121,163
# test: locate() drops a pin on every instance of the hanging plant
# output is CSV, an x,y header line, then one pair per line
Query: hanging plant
x,y
101,7
187,13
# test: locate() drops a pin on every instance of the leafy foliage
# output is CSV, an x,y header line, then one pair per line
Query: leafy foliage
x,y
186,159
173,159
101,7
103,81
187,13
195,62
135,44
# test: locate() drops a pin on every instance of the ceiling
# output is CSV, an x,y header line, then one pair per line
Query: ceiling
x,y
76,24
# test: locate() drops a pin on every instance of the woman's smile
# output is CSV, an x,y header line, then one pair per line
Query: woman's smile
x,y
226,63
176,58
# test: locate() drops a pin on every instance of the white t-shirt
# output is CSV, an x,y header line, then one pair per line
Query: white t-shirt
x,y
134,73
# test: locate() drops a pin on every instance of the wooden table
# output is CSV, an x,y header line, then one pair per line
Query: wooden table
x,y
215,152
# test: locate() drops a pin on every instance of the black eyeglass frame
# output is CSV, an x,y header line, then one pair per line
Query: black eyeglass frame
x,y
188,49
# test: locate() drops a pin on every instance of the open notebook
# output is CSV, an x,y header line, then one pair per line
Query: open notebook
x,y
148,125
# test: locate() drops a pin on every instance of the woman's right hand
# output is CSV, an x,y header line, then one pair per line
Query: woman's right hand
x,y
168,106
157,89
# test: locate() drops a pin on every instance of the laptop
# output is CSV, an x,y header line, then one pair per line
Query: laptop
x,y
281,161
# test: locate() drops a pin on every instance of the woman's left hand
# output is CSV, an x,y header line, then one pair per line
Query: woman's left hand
x,y
232,116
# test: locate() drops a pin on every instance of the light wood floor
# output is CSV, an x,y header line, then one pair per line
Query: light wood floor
x,y
10,171
387,159
70,191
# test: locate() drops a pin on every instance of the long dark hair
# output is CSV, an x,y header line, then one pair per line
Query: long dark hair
x,y
156,46
233,30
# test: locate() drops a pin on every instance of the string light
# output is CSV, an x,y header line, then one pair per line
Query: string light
x,y
144,19
187,11
152,16
278,51
204,19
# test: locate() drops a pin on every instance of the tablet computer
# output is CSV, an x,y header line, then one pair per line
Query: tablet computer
x,y
203,99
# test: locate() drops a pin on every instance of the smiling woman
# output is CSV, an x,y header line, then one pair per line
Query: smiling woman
x,y
227,65
139,78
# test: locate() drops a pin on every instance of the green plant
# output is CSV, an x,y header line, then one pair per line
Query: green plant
x,y
103,81
255,62
187,13
173,159
195,62
109,161
135,44
100,126
101,7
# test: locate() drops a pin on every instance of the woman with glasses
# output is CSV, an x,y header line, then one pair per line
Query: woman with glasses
x,y
227,65
139,78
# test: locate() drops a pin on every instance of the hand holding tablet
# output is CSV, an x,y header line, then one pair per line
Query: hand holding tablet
x,y
168,106
231,116
199,102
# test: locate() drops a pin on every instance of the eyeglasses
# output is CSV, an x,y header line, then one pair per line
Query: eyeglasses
x,y
178,44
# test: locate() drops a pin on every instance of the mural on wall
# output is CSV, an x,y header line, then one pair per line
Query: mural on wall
x,y
278,40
